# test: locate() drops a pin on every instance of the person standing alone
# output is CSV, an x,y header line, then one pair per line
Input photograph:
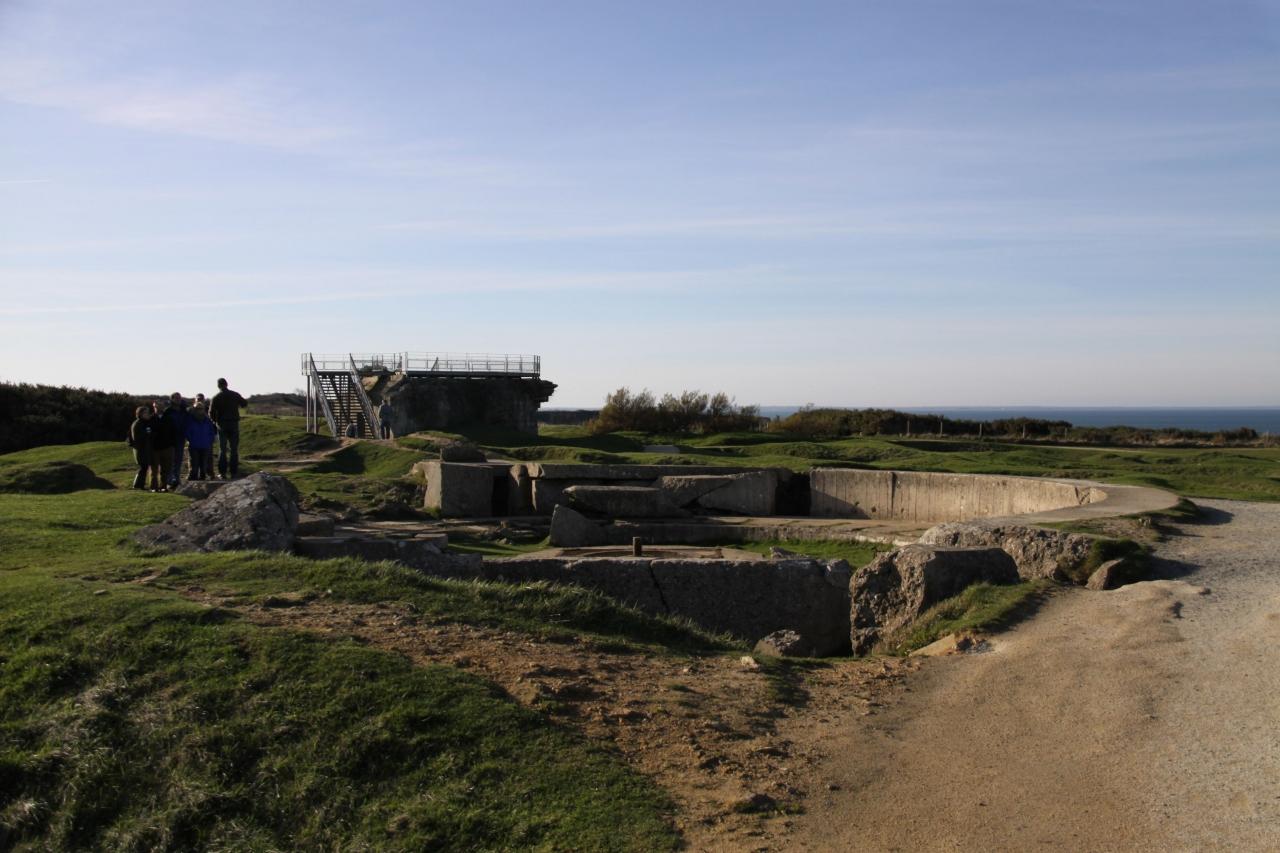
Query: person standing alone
x,y
384,417
224,411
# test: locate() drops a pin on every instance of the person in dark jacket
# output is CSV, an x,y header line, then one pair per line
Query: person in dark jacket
x,y
140,433
175,414
200,433
162,439
224,411
384,417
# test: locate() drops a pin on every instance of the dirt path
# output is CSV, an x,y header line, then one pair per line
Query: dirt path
x,y
1147,718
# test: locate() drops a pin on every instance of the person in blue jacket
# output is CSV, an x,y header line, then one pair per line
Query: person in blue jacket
x,y
200,434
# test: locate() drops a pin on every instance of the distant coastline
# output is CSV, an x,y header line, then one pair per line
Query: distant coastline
x,y
1263,419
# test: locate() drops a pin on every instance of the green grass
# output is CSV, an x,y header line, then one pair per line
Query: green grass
x,y
1232,473
857,554
131,719
132,722
981,607
1136,558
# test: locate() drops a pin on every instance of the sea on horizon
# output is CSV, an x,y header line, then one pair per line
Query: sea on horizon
x,y
1263,419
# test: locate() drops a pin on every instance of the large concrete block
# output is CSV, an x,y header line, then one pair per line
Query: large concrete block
x,y
459,489
571,529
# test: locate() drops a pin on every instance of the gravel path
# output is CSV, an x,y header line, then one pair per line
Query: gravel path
x,y
1147,718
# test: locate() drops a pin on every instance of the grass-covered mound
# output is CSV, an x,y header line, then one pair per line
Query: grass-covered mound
x,y
49,478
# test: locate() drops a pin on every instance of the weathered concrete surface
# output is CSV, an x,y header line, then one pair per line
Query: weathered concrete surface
x,y
314,525
571,529
440,403
623,501
896,587
460,489
745,494
928,496
259,512
746,598
1038,552
685,489
934,497
604,473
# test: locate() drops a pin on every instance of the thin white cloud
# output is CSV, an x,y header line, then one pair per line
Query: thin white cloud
x,y
252,109
37,293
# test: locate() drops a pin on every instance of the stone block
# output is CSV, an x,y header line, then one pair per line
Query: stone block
x,y
460,489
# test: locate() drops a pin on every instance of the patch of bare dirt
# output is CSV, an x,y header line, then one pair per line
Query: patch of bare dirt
x,y
736,745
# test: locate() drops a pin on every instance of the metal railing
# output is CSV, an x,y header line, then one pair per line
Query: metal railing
x,y
365,403
444,363
316,401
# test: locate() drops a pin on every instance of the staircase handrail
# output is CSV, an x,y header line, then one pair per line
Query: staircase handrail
x,y
318,391
365,403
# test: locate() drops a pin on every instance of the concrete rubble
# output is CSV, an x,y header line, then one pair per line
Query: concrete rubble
x,y
897,587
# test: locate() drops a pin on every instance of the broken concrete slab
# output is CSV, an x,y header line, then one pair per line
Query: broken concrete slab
x,y
1038,552
623,501
684,489
571,529
895,588
745,494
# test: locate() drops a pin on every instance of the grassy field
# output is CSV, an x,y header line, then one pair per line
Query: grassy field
x,y
132,719
1232,473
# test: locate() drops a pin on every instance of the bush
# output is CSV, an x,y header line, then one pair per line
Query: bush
x,y
691,412
37,415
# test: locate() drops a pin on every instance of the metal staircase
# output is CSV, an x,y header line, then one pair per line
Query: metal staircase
x,y
335,389
337,392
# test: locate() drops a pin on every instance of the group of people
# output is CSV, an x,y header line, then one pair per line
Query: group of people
x,y
163,433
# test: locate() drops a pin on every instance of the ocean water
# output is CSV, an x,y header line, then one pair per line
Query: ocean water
x,y
1265,419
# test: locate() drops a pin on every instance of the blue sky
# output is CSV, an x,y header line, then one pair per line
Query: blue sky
x,y
916,203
